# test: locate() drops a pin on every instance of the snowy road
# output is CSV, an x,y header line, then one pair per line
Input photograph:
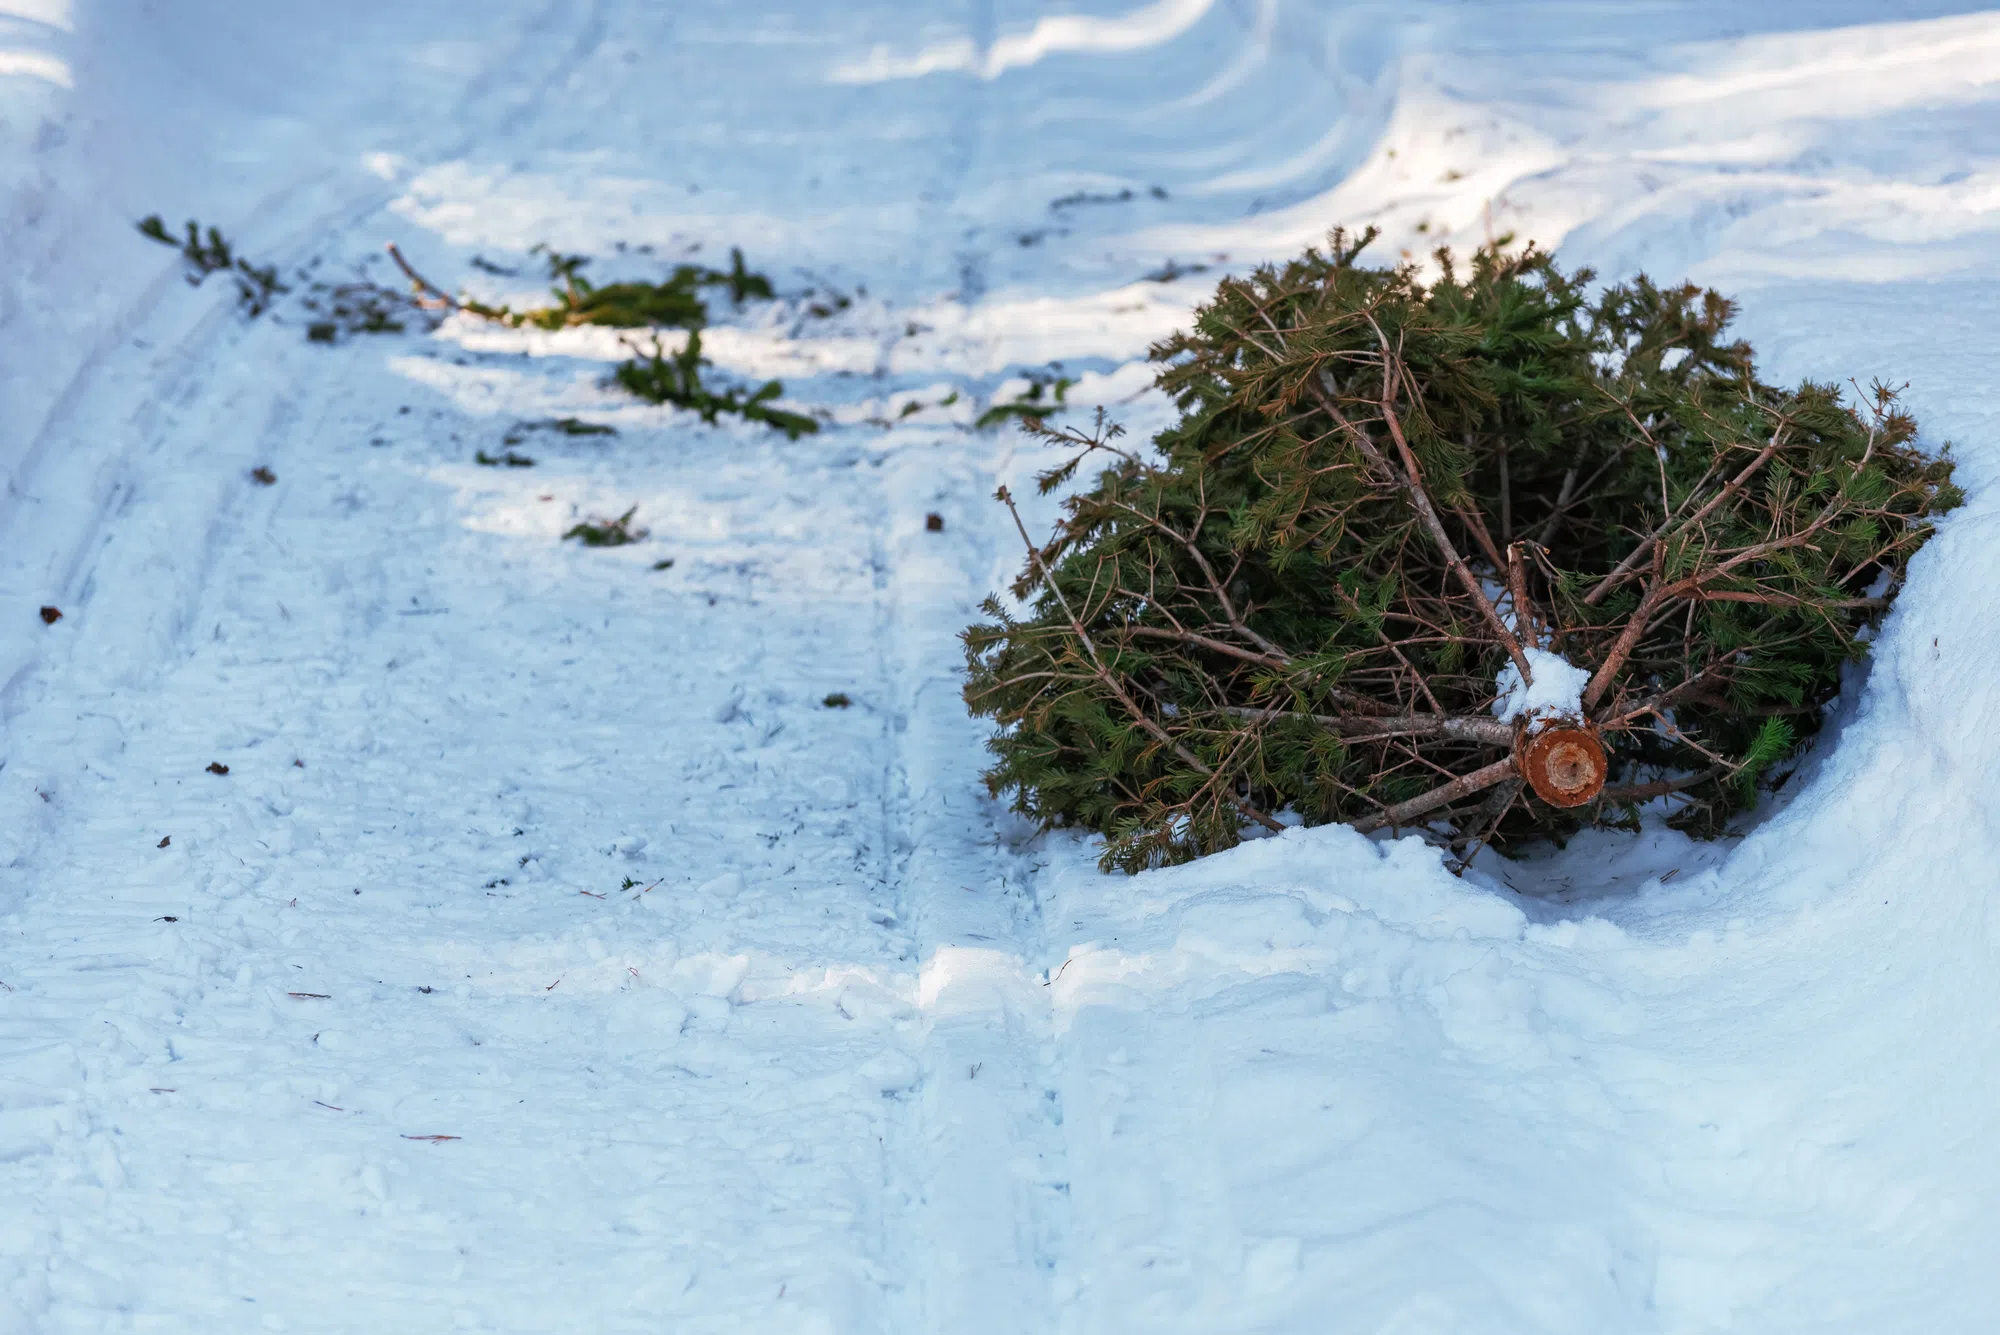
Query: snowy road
x,y
553,957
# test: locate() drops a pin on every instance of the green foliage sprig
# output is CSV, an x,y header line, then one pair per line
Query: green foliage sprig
x,y
1029,406
674,303
210,252
607,532
1384,489
658,376
507,457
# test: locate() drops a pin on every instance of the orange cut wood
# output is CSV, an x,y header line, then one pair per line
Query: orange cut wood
x,y
1565,766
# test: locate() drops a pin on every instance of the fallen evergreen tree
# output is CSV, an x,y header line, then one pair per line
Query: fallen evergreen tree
x,y
1482,556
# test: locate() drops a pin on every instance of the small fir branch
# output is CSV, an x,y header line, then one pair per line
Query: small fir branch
x,y
607,532
674,302
657,376
1030,407
206,252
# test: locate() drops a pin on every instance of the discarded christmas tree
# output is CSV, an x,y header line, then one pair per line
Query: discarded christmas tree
x,y
1481,556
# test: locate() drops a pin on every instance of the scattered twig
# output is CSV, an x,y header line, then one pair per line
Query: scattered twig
x,y
1640,792
430,295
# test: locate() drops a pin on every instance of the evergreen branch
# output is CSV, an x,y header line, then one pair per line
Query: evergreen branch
x,y
1394,649
1236,622
1784,599
1410,480
1414,480
1110,682
1477,527
1621,649
1208,642
1561,507
1756,552
1625,567
1661,700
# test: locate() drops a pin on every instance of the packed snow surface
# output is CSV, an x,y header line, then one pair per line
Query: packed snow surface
x,y
1554,689
553,957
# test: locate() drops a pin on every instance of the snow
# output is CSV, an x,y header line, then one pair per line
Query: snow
x,y
1554,689
854,1051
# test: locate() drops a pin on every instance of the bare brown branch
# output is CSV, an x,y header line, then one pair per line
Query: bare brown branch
x,y
1403,813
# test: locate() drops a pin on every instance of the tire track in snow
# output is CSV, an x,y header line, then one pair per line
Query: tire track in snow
x,y
983,1154
386,806
982,1240
177,351
996,1233
989,1245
